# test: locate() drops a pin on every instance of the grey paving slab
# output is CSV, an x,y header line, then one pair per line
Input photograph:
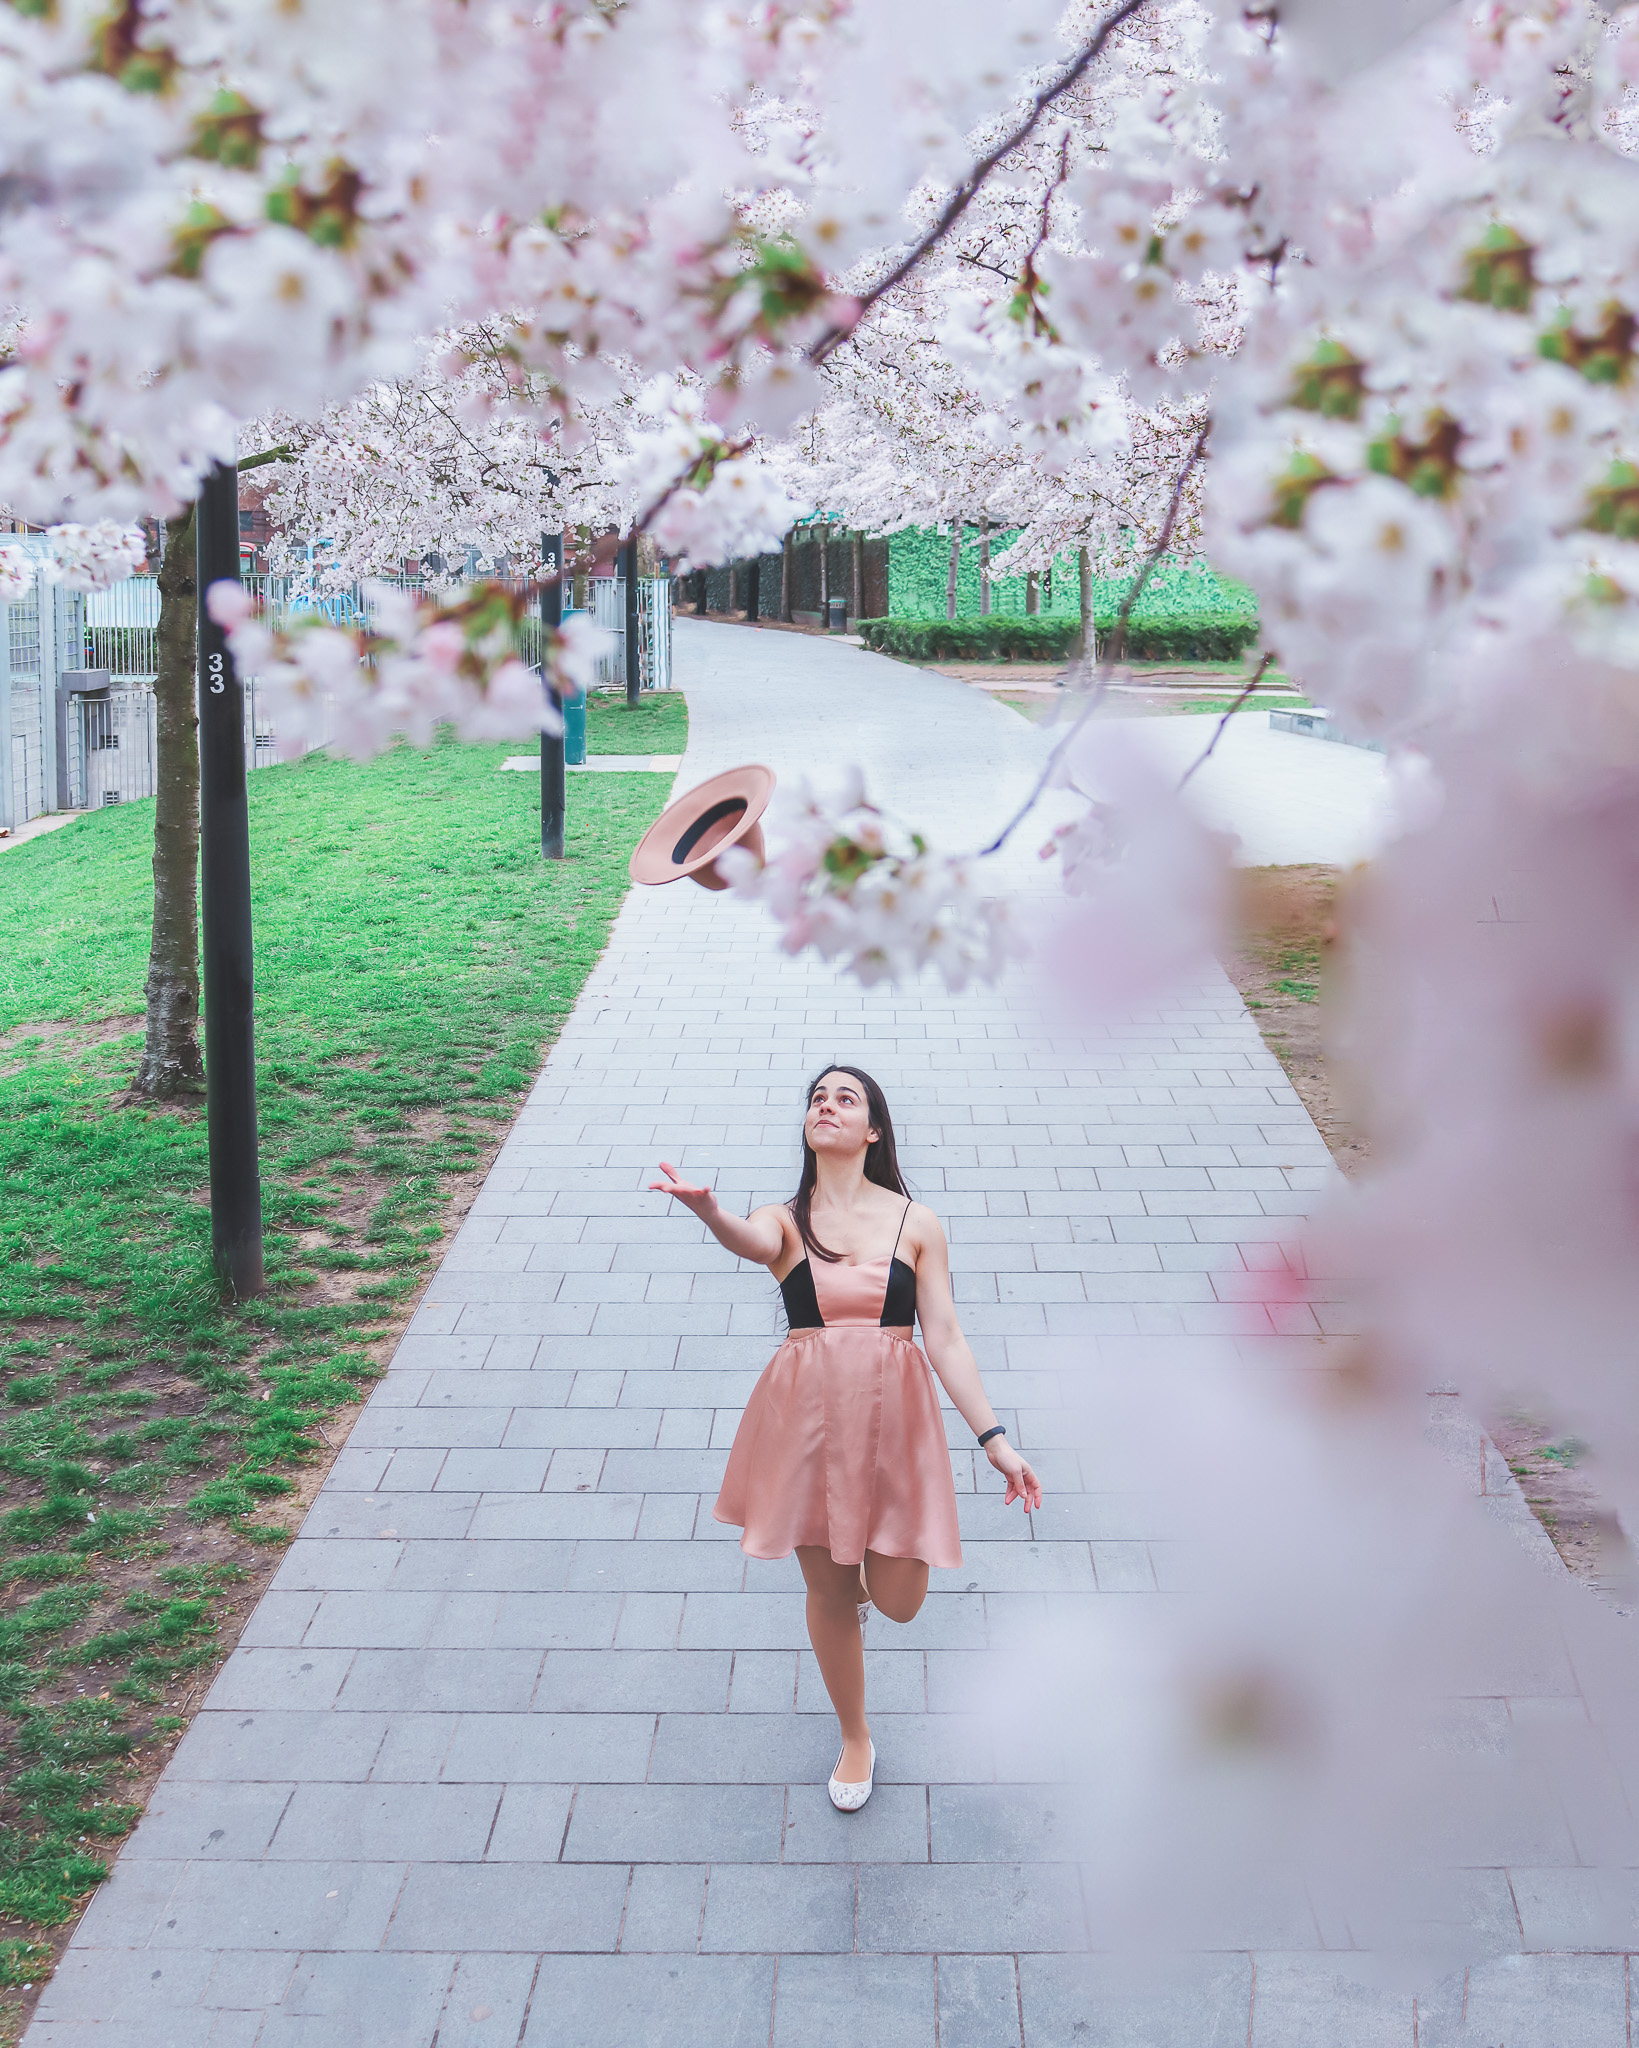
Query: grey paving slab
x,y
636,2001
511,1908
519,1749
1098,2002
678,1824
826,2002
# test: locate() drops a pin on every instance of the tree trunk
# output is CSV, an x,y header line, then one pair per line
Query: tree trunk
x,y
955,565
1088,648
733,580
699,593
754,590
1032,595
825,578
171,1064
984,568
856,568
786,547
1047,589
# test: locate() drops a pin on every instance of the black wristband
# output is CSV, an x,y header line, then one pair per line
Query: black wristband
x,y
989,1433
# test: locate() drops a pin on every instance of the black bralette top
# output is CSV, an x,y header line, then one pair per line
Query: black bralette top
x,y
802,1310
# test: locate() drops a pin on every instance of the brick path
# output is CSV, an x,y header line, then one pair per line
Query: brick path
x,y
518,1747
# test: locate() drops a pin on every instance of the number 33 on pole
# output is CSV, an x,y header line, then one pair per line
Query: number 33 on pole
x,y
224,873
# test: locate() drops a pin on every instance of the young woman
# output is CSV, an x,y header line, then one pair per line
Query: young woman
x,y
841,1454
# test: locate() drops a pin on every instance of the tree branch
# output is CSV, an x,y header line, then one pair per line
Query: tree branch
x,y
1223,722
280,454
964,195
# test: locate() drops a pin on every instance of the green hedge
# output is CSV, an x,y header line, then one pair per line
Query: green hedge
x,y
992,639
1172,635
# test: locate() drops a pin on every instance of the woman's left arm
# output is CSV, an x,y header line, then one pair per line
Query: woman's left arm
x,y
951,1356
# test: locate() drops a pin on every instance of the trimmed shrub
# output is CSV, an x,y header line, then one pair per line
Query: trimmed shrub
x,y
1163,635
992,639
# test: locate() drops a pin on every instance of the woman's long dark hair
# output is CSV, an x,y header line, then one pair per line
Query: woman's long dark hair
x,y
881,1159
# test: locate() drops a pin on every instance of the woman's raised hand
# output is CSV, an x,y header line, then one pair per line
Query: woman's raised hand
x,y
1022,1483
699,1199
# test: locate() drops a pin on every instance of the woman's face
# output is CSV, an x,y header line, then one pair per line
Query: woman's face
x,y
838,1121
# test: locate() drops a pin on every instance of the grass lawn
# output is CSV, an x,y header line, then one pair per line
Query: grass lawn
x,y
414,956
659,724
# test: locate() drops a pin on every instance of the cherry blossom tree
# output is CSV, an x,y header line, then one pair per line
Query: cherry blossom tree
x,y
1380,299
464,456
953,403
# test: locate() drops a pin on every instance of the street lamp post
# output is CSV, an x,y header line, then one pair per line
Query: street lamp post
x,y
224,864
634,648
553,796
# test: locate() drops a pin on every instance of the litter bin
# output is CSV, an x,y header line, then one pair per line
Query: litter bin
x,y
574,710
838,620
574,730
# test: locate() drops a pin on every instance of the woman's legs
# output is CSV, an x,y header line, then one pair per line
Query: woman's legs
x,y
898,1586
833,1629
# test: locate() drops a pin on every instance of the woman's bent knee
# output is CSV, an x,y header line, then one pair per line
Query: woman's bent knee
x,y
898,1587
903,1604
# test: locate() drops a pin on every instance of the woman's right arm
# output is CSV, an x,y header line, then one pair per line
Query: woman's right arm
x,y
759,1236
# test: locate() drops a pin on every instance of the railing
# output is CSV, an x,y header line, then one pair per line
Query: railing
x,y
654,629
98,747
113,747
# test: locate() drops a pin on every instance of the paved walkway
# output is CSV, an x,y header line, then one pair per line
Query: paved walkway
x,y
1288,798
518,1748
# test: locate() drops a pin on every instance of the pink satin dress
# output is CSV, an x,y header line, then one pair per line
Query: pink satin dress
x,y
842,1444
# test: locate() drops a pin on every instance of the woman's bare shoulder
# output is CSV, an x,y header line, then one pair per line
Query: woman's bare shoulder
x,y
922,1226
779,1214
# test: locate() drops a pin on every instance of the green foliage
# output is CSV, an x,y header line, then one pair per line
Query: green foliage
x,y
22,1963
919,570
1183,613
994,639
1185,622
414,956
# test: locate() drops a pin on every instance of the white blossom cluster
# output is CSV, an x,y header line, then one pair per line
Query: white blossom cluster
x,y
714,498
218,213
93,557
845,881
80,558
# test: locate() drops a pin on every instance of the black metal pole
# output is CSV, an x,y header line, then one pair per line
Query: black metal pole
x,y
634,648
224,873
553,797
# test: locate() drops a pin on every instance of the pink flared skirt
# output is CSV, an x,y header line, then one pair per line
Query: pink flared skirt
x,y
842,1445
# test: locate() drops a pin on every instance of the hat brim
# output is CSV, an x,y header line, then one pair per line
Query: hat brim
x,y
689,834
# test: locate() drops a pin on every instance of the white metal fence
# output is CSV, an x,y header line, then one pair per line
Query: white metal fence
x,y
78,724
654,626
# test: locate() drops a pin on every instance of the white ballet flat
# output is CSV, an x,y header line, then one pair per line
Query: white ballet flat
x,y
850,1798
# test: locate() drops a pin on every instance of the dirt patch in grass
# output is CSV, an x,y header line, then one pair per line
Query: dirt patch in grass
x,y
1559,1489
58,1039
1287,930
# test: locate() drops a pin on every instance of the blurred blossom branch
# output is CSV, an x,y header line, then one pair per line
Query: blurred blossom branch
x,y
1222,726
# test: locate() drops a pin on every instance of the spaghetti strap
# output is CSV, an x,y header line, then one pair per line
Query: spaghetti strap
x,y
899,1233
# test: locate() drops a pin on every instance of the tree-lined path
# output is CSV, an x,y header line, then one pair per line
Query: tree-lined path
x,y
518,1747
